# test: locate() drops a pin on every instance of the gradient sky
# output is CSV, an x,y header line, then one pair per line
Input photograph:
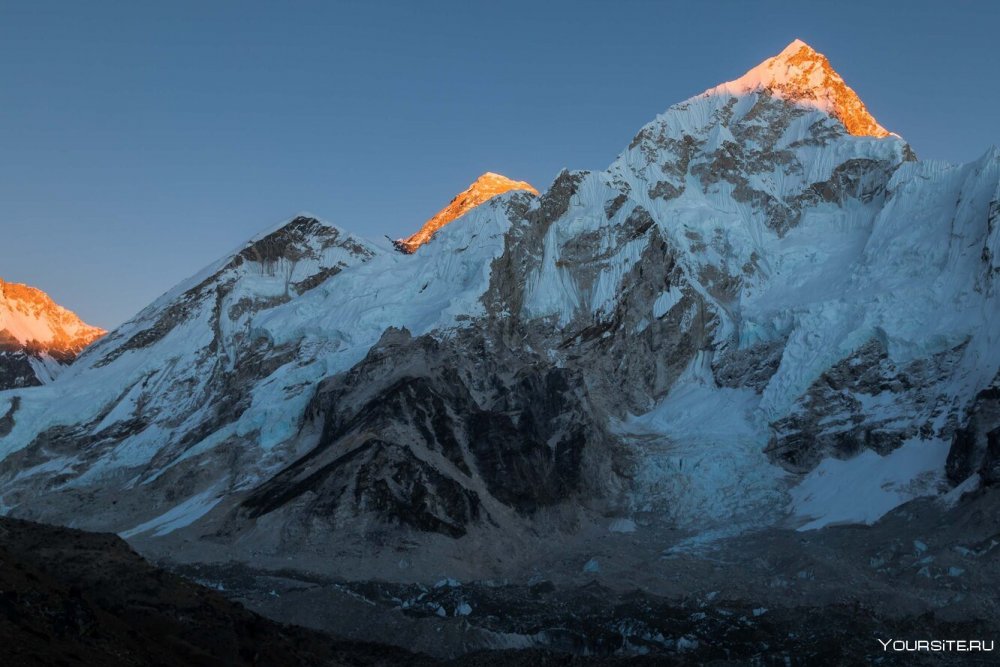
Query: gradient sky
x,y
139,141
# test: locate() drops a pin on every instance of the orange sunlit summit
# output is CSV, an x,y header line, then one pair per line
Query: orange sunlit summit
x,y
486,187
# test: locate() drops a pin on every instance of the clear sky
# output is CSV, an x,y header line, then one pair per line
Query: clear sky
x,y
139,141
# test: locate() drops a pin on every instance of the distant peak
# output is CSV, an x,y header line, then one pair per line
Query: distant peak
x,y
499,180
491,184
484,188
31,320
802,75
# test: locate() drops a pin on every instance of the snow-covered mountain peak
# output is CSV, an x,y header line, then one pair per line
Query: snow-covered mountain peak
x,y
484,188
30,318
804,76
37,336
796,46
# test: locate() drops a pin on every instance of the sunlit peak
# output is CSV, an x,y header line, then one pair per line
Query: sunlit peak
x,y
804,76
30,320
484,188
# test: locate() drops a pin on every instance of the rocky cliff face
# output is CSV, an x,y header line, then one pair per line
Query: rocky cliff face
x,y
37,336
762,296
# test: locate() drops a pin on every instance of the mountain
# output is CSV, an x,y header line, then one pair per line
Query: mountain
x,y
766,315
37,336
484,188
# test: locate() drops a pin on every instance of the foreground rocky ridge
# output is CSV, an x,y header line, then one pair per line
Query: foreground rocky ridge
x,y
70,597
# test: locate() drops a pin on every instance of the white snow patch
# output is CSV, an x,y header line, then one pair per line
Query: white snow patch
x,y
666,301
863,489
180,516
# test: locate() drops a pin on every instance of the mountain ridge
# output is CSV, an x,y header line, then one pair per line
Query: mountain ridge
x,y
716,330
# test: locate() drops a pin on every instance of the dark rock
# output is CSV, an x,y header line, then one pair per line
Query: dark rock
x,y
990,469
16,371
973,445
7,421
69,597
519,429
830,420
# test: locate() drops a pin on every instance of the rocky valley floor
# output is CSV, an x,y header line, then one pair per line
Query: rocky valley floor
x,y
71,597
926,571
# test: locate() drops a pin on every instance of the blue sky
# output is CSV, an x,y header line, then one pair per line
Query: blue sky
x,y
139,141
